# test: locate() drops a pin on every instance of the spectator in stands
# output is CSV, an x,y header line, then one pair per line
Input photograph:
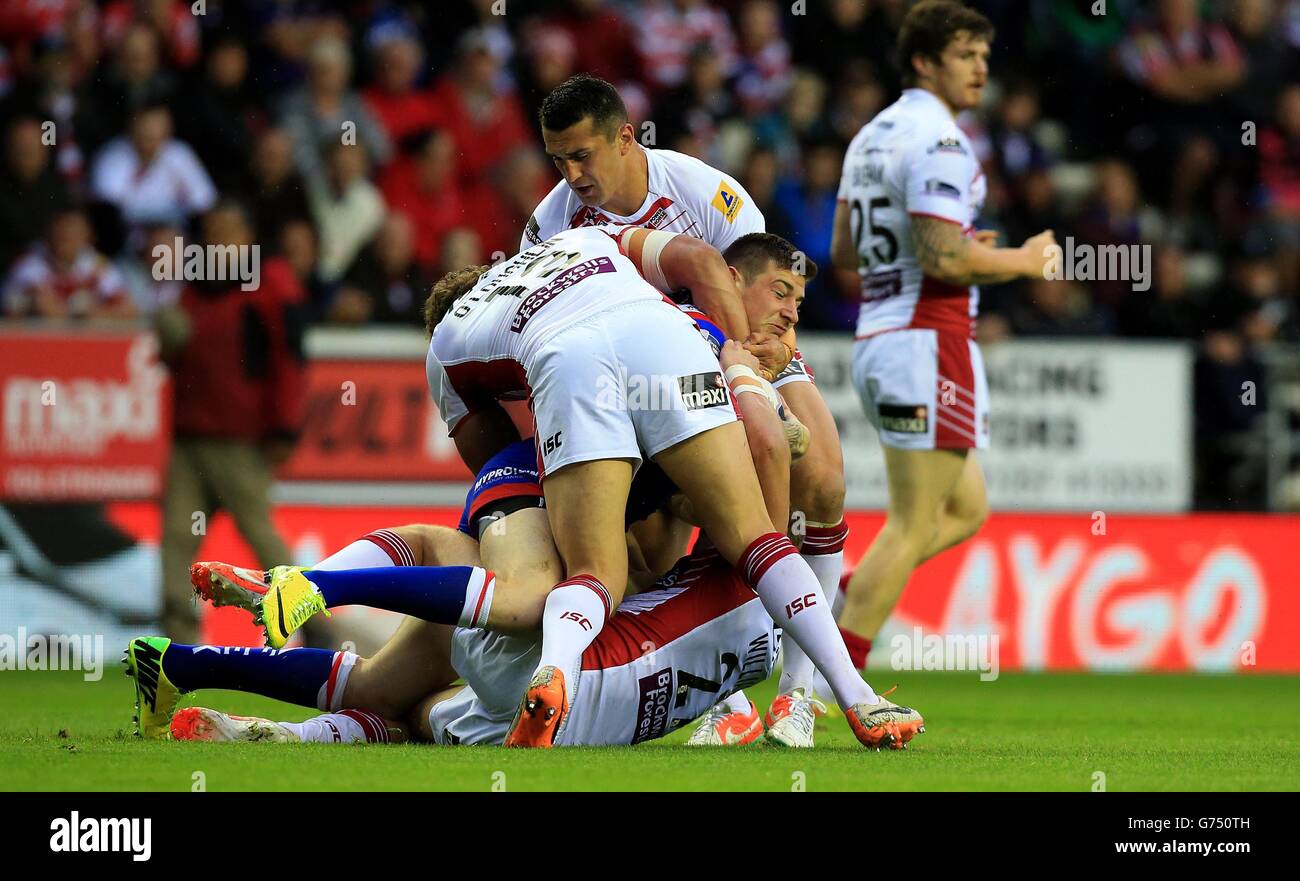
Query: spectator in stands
x,y
31,191
275,192
1111,218
763,73
174,21
135,80
698,108
602,40
237,403
1184,65
65,277
809,202
346,207
148,293
484,123
1056,308
385,284
326,111
406,109
299,245
219,114
1279,181
149,176
672,29
1167,310
832,41
425,189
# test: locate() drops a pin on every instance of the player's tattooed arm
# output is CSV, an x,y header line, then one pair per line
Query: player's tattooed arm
x,y
945,253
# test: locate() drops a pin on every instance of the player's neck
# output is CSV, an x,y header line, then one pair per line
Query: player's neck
x,y
924,87
636,186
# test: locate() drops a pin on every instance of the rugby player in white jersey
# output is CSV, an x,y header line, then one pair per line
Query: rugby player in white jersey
x,y
909,194
566,323
609,177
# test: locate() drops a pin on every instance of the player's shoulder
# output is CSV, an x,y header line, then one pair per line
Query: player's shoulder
x,y
689,176
550,216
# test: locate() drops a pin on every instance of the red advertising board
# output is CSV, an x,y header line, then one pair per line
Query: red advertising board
x,y
372,420
1187,592
85,416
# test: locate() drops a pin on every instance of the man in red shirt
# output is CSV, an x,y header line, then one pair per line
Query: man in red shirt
x,y
237,386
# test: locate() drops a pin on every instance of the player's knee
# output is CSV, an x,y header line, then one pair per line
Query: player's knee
x,y
817,488
419,537
972,517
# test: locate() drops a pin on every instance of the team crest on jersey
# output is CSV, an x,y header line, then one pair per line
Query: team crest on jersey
x,y
948,145
727,201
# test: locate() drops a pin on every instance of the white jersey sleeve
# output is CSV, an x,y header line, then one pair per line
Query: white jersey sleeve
x,y
551,216
732,213
936,181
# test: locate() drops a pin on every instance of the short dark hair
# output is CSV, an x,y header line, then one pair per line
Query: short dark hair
x,y
580,97
930,26
751,253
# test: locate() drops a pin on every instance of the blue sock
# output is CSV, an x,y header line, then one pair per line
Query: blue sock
x,y
292,675
431,593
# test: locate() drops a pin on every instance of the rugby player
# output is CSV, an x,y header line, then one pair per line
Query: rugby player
x,y
493,337
609,177
909,194
761,265
663,660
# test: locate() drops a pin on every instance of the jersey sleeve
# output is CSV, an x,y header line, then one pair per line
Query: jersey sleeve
x,y
939,180
730,214
548,218
450,405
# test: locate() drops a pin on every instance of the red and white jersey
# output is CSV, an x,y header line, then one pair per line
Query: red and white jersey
x,y
685,195
661,662
481,350
911,160
91,281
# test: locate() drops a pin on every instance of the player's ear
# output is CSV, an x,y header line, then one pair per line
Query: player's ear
x,y
626,137
736,277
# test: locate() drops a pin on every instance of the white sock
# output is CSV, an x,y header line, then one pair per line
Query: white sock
x,y
797,668
575,612
347,726
330,694
736,703
380,548
792,596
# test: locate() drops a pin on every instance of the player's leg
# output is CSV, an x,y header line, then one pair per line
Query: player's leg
x,y
965,512
185,499
586,502
715,472
817,494
344,727
920,484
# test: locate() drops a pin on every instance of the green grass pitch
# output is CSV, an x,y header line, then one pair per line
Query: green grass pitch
x,y
58,732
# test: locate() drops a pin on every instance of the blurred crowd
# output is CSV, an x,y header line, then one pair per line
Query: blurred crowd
x,y
375,145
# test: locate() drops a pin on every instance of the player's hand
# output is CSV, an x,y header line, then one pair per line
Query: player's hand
x,y
772,354
987,237
734,353
1035,252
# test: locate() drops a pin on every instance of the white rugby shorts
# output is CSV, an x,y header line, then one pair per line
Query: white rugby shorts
x,y
638,377
923,389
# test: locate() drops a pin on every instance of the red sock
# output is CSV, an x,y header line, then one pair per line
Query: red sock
x,y
858,647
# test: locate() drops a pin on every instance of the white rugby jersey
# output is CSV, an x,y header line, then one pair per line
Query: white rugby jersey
x,y
912,159
481,349
665,659
685,195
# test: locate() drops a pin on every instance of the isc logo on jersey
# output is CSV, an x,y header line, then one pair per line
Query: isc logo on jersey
x,y
727,201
